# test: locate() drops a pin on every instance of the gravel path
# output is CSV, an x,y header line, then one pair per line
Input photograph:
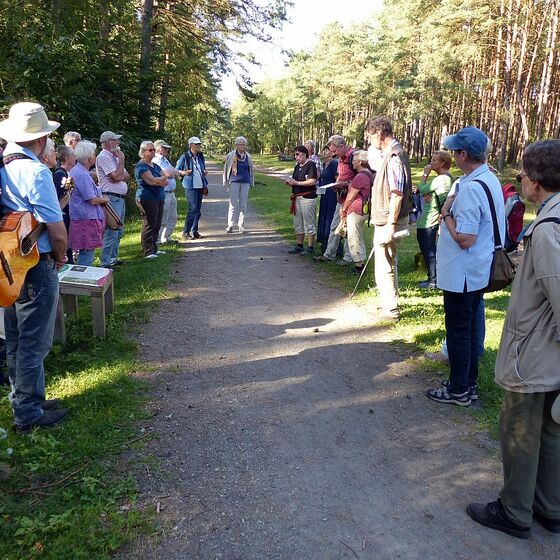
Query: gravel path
x,y
290,428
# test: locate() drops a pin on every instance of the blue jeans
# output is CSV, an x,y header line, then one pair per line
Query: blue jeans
x,y
112,237
427,243
194,198
85,257
29,333
462,318
480,330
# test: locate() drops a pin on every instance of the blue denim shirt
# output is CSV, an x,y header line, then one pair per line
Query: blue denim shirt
x,y
27,185
469,268
189,161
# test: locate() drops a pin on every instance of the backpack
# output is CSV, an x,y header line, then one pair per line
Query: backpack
x,y
514,211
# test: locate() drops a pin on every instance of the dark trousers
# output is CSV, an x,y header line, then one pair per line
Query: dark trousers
x,y
194,198
427,238
152,212
462,327
530,442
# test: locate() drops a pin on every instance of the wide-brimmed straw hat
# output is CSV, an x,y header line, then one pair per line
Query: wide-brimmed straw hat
x,y
26,121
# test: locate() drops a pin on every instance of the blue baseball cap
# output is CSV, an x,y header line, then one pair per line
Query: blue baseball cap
x,y
470,139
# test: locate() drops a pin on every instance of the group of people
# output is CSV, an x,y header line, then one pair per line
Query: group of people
x,y
375,184
456,234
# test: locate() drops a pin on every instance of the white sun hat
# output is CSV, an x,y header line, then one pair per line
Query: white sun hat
x,y
26,121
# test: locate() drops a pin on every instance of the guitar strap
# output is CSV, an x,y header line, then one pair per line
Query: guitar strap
x,y
12,157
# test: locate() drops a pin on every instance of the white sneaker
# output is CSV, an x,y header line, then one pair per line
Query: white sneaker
x,y
152,256
229,229
160,253
241,229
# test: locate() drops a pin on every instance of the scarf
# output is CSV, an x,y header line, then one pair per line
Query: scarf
x,y
237,158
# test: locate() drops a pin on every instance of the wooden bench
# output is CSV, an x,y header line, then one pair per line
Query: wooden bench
x,y
102,303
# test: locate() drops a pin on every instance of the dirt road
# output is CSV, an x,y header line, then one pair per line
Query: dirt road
x,y
290,428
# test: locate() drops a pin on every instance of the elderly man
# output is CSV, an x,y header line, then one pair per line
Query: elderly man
x,y
169,217
192,168
390,203
112,180
527,364
464,256
26,185
338,147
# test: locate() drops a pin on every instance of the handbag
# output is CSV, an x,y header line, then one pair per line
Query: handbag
x,y
204,191
502,271
112,220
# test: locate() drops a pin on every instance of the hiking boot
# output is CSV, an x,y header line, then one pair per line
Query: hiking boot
x,y
308,251
552,525
50,403
492,515
49,419
441,395
297,250
322,258
229,229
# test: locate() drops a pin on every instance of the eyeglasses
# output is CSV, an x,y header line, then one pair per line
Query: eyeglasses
x,y
150,150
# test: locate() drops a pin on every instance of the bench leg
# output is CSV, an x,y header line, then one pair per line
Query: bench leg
x,y
59,326
98,316
70,304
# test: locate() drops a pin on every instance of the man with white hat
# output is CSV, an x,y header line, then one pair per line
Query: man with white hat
x,y
112,180
169,218
192,168
27,186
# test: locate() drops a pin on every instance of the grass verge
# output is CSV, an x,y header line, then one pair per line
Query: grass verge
x,y
422,316
69,492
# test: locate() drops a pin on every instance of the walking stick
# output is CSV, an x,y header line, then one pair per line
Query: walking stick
x,y
363,272
401,233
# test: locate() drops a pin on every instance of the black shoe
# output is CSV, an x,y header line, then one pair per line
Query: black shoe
x,y
473,390
297,250
197,235
427,285
186,236
48,404
492,515
552,525
49,418
118,262
442,395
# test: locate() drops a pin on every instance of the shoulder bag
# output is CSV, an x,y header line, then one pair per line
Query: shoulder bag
x,y
502,271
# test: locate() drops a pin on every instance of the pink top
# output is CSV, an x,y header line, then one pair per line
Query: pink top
x,y
362,183
106,163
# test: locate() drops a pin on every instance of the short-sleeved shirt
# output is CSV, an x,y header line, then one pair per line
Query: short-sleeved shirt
x,y
164,163
302,173
105,163
27,186
362,183
145,191
469,268
345,170
395,169
438,188
84,190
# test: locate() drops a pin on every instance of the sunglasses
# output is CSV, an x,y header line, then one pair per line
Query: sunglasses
x,y
519,177
150,149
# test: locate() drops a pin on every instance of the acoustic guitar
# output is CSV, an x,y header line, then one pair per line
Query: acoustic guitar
x,y
19,233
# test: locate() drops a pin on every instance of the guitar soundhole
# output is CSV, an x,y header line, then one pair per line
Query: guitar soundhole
x,y
6,268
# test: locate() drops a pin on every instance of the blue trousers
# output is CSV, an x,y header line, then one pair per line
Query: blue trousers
x,y
112,238
29,326
427,242
194,198
463,343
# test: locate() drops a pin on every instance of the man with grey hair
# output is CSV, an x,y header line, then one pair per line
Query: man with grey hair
x,y
337,146
169,216
112,180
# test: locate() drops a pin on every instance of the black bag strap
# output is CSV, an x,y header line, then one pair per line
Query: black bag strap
x,y
12,157
497,243
545,220
436,196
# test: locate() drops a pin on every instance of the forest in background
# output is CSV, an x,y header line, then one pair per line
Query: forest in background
x,y
153,67
142,68
433,66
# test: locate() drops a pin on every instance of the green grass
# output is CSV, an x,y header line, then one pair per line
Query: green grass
x,y
69,492
422,316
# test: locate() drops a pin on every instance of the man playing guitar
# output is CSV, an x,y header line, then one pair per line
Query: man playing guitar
x,y
26,185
